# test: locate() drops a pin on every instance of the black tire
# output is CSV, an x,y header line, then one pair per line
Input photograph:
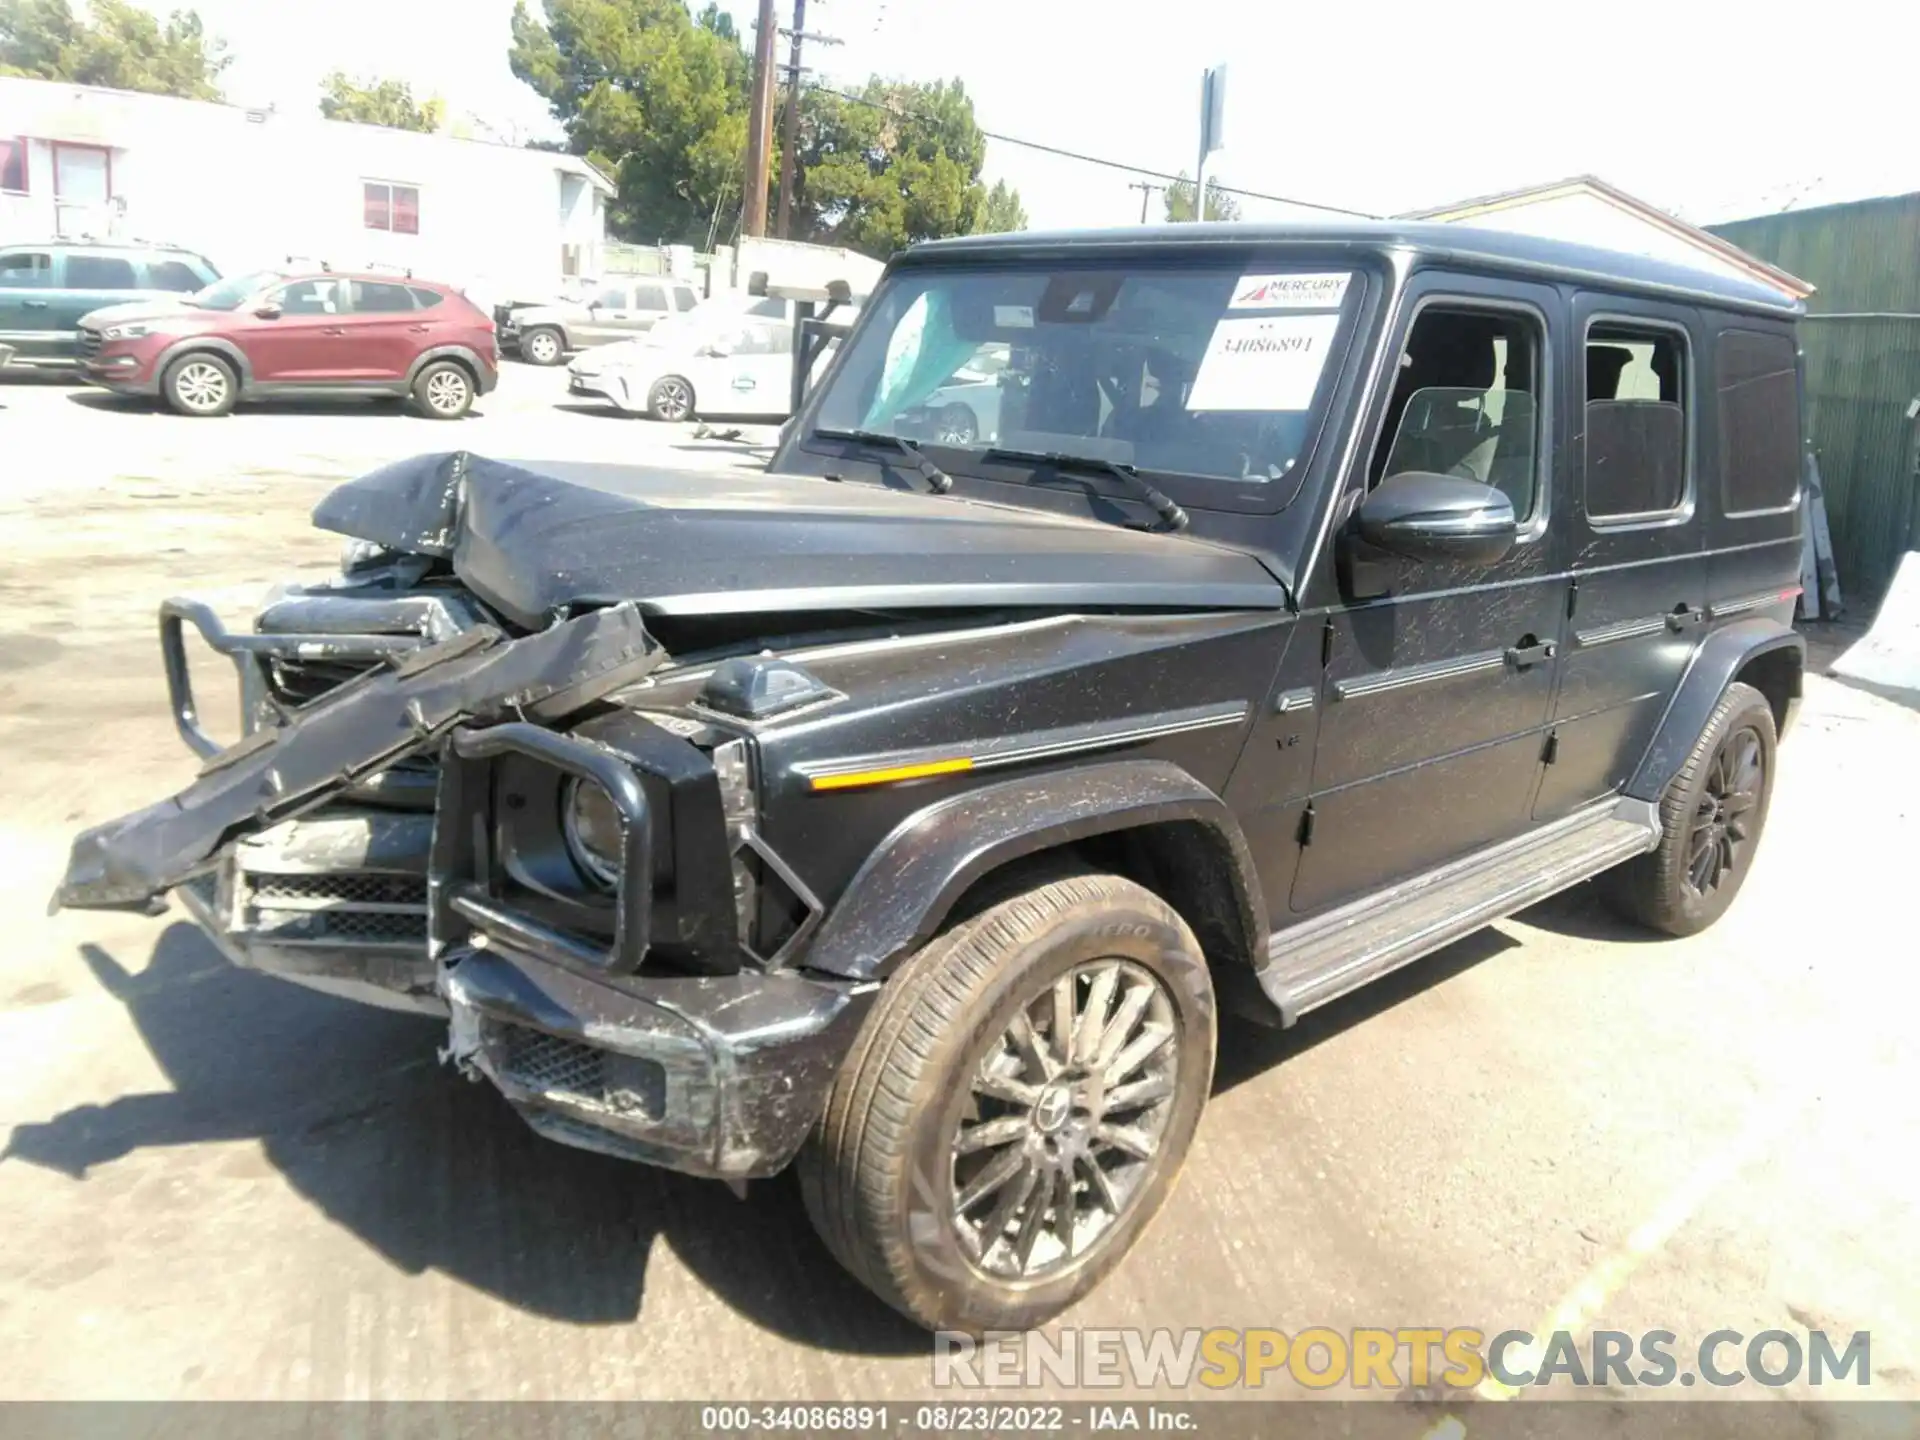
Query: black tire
x,y
543,345
1711,819
203,385
444,390
956,424
879,1172
671,398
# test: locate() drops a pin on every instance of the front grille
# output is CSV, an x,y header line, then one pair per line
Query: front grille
x,y
366,889
352,907
557,1069
90,343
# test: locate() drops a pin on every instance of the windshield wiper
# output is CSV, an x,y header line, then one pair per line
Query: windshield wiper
x,y
1162,502
936,477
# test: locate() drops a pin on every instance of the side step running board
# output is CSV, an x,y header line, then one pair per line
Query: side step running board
x,y
1331,954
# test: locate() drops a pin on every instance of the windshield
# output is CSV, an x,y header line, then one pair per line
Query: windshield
x,y
1195,369
232,292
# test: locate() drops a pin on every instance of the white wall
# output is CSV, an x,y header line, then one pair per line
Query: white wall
x,y
1586,219
249,189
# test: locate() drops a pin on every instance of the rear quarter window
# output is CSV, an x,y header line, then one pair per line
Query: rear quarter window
x,y
173,275
426,299
1759,416
100,272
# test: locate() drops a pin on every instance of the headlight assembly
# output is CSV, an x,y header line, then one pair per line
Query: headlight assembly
x,y
593,829
127,332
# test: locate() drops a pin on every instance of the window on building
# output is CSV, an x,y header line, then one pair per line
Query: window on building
x,y
26,269
1759,421
1466,402
394,208
424,298
173,275
13,165
100,272
649,297
371,297
1636,456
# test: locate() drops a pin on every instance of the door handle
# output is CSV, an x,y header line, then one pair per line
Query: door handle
x,y
1522,656
34,305
1684,617
333,330
418,329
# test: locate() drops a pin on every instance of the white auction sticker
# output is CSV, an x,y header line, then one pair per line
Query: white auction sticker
x,y
1263,363
1013,317
1290,292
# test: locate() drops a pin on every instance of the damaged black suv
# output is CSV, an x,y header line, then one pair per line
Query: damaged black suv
x,y
1294,602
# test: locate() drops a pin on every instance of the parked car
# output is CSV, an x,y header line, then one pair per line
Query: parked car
x,y
733,358
272,334
908,812
547,332
46,287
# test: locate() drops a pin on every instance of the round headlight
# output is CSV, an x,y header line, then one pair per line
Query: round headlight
x,y
593,829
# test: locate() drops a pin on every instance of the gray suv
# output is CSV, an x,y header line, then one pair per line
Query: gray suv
x,y
547,333
46,286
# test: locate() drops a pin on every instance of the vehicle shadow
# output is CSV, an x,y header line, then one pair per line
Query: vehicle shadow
x,y
382,405
1581,914
434,1173
1248,1049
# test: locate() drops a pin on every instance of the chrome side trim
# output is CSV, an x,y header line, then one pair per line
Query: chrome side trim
x,y
1435,670
1044,745
1620,630
1745,603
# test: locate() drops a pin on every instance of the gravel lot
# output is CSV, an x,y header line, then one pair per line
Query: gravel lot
x,y
219,1186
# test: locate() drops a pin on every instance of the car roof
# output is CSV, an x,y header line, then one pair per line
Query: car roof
x,y
129,247
1522,255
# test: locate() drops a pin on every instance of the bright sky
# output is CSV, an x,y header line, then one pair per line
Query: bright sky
x,y
1708,111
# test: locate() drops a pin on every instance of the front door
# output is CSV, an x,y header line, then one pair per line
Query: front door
x,y
620,312
26,304
761,383
306,342
1437,676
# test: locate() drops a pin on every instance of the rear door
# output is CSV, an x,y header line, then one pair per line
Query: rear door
x,y
1752,514
26,302
761,384
306,343
1639,591
384,328
1437,676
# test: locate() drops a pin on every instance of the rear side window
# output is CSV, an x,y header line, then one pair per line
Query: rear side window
x,y
1759,402
101,272
426,299
684,298
26,269
649,297
370,297
172,275
1636,422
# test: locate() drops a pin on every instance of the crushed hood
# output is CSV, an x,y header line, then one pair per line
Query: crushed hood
x,y
532,542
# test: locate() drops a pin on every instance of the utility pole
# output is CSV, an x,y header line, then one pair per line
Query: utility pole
x,y
753,219
1213,116
1146,189
790,143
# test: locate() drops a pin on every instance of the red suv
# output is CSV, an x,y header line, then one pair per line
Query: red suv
x,y
273,334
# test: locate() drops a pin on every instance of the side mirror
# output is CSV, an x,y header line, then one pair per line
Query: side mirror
x,y
1418,515
267,312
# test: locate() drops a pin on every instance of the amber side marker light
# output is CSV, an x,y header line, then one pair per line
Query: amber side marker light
x,y
852,779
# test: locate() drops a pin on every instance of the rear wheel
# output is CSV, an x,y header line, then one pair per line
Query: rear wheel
x,y
443,390
956,425
542,345
671,398
1017,1106
1711,819
201,385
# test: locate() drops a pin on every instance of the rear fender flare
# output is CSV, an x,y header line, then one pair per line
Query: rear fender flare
x,y
195,344
463,353
1718,661
909,885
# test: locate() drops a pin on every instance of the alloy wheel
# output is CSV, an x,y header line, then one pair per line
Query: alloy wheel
x,y
201,385
1723,817
447,392
673,400
1064,1120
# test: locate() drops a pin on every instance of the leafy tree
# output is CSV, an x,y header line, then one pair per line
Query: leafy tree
x,y
1179,199
380,102
654,96
118,45
1001,212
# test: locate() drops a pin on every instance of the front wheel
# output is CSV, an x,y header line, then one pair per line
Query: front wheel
x,y
542,345
201,385
671,398
1710,821
1017,1106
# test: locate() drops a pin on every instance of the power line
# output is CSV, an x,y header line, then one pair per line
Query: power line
x,y
1212,185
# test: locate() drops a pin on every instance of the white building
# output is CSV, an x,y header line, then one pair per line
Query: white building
x,y
1587,210
251,188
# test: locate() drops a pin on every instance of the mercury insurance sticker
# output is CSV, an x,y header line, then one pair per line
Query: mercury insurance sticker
x,y
1263,363
1290,292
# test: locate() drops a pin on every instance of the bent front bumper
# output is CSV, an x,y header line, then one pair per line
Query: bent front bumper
x,y
719,1076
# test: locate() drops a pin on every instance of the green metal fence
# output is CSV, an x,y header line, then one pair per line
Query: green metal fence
x,y
1862,345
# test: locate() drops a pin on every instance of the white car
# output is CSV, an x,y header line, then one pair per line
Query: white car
x,y
728,358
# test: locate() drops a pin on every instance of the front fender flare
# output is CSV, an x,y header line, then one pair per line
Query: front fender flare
x,y
192,344
908,886
1716,662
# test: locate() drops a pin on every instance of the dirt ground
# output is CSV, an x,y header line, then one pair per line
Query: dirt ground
x,y
216,1185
